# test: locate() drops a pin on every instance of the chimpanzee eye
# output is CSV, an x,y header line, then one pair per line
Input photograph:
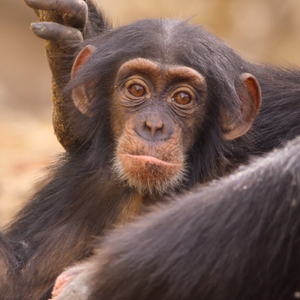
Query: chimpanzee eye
x,y
137,90
182,98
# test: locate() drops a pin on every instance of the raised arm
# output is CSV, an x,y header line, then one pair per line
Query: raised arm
x,y
64,25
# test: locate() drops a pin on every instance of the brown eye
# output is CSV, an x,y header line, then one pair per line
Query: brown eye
x,y
182,98
137,90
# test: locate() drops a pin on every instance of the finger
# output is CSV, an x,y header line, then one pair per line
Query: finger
x,y
56,32
73,12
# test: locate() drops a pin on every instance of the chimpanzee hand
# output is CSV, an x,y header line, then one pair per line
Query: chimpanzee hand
x,y
59,20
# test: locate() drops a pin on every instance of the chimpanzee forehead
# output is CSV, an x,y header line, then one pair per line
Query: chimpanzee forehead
x,y
169,41
153,38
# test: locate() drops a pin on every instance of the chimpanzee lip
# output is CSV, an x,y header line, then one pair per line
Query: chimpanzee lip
x,y
147,159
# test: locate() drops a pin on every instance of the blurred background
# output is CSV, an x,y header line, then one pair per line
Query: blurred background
x,y
266,30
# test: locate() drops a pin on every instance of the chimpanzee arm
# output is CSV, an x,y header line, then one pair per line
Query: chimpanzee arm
x,y
65,24
237,239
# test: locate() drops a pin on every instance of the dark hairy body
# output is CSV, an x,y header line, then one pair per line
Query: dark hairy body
x,y
149,111
237,238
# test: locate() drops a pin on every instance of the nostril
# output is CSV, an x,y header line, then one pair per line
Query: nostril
x,y
160,128
146,127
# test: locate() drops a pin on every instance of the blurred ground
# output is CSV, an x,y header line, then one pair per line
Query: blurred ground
x,y
266,30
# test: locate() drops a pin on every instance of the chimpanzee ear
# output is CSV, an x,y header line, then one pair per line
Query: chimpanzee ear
x,y
250,99
79,94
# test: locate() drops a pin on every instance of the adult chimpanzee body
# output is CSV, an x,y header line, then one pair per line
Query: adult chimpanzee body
x,y
158,106
238,238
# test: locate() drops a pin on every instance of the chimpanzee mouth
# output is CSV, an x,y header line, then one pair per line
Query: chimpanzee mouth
x,y
148,174
151,160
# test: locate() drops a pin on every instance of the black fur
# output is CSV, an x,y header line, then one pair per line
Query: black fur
x,y
238,238
97,22
278,119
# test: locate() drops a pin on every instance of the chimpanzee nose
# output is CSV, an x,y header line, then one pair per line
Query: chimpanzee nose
x,y
153,124
153,127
